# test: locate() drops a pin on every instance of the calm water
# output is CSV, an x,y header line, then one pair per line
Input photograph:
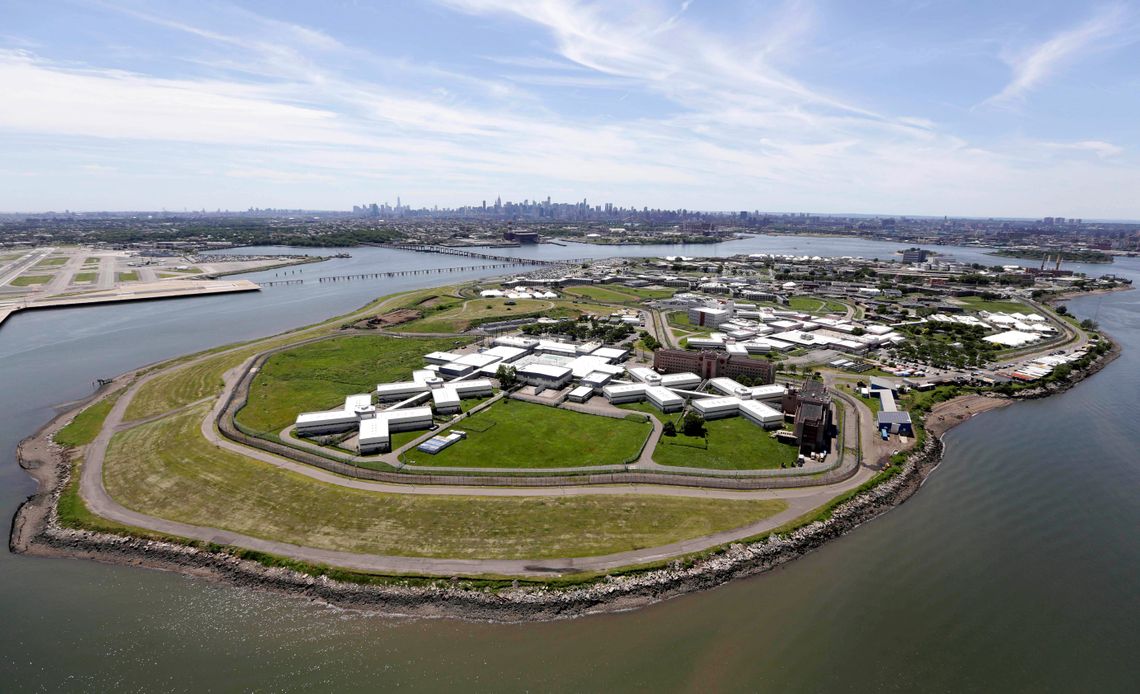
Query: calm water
x,y
1014,569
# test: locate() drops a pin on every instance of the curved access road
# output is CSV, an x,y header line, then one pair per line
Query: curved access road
x,y
99,501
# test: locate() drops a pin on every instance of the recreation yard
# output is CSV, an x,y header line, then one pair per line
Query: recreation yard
x,y
518,434
732,443
165,468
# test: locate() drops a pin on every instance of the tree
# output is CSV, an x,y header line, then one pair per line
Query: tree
x,y
692,424
507,376
1063,310
1089,324
669,428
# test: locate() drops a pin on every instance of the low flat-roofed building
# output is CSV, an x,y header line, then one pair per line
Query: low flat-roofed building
x,y
545,375
767,393
473,388
664,399
555,347
360,404
586,364
445,400
372,436
759,413
618,393
581,394
736,348
505,354
705,343
386,392
683,380
408,419
597,380
727,386
477,359
895,422
524,343
441,357
455,370
717,408
644,374
334,421
614,354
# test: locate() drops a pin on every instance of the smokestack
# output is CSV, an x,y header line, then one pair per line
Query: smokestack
x,y
1044,259
1058,262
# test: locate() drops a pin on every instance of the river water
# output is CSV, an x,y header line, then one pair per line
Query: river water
x,y
1013,569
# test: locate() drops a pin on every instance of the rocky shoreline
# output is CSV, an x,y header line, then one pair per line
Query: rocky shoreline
x,y
36,531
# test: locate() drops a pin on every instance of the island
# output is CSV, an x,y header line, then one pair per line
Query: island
x,y
554,443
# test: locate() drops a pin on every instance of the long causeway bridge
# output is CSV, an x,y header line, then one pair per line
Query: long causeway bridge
x,y
448,250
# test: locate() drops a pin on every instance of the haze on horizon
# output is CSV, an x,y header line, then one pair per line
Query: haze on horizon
x,y
1017,109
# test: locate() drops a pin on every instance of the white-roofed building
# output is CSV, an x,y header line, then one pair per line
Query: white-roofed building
x,y
618,393
545,375
717,408
331,422
664,399
581,394
682,380
645,375
445,400
759,413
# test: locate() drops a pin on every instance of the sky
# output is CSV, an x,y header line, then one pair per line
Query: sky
x,y
1012,109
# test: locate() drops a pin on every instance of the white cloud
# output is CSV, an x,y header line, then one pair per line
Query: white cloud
x,y
1033,67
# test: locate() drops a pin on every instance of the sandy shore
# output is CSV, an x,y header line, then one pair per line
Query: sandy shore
x,y
36,530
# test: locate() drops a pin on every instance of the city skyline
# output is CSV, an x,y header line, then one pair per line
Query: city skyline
x,y
1019,111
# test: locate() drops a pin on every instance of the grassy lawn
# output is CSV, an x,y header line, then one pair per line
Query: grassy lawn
x,y
458,317
85,427
733,443
811,304
516,434
85,277
318,376
647,408
977,303
30,280
51,262
650,294
131,276
607,294
166,469
91,260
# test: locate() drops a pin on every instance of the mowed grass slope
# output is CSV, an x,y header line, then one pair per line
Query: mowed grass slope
x,y
516,434
733,443
83,429
166,469
319,375
977,303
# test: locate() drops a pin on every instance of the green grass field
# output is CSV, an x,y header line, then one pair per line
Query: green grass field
x,y
318,376
51,262
517,434
85,277
166,469
128,276
91,260
614,295
30,280
457,317
85,427
977,303
811,304
733,443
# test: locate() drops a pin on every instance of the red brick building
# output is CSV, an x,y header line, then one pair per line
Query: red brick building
x,y
711,364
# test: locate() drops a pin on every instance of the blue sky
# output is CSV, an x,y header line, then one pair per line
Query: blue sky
x,y
924,107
